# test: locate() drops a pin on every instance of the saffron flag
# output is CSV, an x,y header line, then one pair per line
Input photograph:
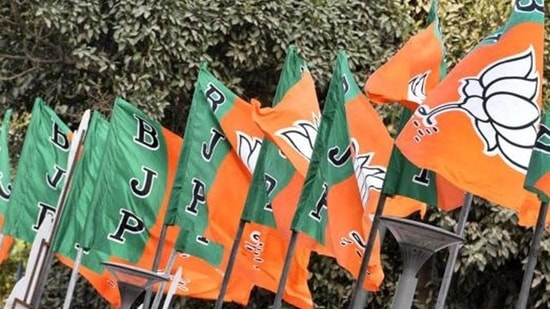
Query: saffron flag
x,y
406,179
423,59
292,129
330,209
478,126
41,173
415,69
6,241
371,149
276,182
225,144
537,179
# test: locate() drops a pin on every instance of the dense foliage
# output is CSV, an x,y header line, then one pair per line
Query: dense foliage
x,y
80,54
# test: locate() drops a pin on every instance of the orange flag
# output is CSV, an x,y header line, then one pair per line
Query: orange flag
x,y
407,78
410,73
372,146
478,126
290,127
221,151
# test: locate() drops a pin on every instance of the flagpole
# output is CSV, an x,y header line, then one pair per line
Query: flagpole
x,y
74,277
172,289
358,297
74,152
230,264
158,296
532,260
156,262
278,302
453,252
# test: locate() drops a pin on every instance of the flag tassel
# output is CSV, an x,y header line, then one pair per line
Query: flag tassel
x,y
453,252
230,264
357,301
532,259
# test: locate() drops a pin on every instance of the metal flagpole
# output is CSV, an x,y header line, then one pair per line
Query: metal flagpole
x,y
74,152
74,277
156,262
172,289
532,260
453,252
230,264
158,296
358,297
277,303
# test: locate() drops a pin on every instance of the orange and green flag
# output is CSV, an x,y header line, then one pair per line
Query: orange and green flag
x,y
262,248
537,179
6,241
478,126
415,70
41,173
370,149
227,145
276,182
292,123
408,75
330,208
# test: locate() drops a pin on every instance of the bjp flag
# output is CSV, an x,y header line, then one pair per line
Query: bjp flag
x,y
478,126
414,69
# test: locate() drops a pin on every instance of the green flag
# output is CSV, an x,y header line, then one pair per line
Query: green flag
x,y
132,186
330,209
41,173
6,241
274,172
79,205
537,179
5,167
203,151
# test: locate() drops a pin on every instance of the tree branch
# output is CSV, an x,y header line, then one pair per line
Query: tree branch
x,y
18,74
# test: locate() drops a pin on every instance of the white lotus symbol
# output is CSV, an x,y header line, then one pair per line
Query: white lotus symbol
x,y
501,102
369,177
249,150
301,136
417,88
